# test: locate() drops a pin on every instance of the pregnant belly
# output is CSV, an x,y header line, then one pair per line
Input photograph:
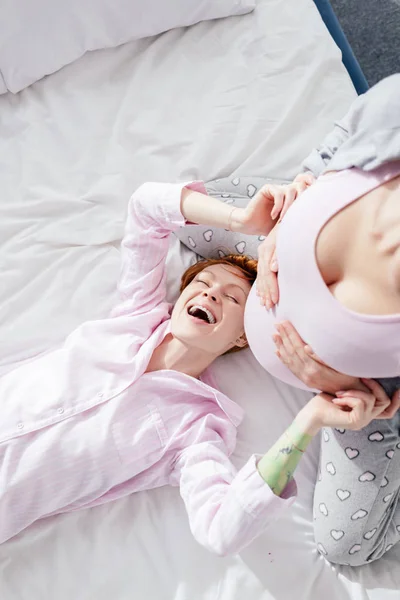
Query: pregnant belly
x,y
259,324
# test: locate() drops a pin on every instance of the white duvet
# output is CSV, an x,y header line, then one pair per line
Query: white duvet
x,y
248,95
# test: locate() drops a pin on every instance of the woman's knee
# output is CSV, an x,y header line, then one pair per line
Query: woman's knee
x,y
341,554
338,547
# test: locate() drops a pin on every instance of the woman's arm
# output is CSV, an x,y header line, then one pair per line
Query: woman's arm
x,y
279,464
154,211
257,218
157,209
352,409
227,508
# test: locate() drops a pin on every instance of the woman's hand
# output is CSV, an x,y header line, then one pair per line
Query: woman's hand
x,y
305,364
282,198
351,409
267,282
271,201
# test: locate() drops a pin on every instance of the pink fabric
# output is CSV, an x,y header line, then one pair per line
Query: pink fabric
x,y
84,425
356,344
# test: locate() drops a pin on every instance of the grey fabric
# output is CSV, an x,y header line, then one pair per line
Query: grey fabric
x,y
211,242
366,137
356,499
389,384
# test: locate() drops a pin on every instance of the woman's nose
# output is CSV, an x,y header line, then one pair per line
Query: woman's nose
x,y
210,295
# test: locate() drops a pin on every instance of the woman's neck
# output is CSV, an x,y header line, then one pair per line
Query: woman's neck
x,y
173,355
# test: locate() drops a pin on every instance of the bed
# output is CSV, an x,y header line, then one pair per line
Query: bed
x,y
246,95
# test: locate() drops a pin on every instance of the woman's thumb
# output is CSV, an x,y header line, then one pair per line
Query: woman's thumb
x,y
273,263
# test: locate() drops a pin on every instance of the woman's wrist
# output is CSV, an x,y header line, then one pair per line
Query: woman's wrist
x,y
307,421
236,220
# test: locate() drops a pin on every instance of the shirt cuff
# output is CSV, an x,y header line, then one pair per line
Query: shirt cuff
x,y
171,202
255,495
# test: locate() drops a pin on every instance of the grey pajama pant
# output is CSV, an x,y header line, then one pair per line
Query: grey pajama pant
x,y
356,499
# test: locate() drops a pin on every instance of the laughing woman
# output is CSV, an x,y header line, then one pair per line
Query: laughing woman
x,y
128,404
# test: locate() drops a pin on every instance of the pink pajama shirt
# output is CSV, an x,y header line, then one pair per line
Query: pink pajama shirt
x,y
84,424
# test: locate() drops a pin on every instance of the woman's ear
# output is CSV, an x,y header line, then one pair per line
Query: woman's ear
x,y
242,341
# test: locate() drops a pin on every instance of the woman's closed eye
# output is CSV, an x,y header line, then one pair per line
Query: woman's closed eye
x,y
202,281
232,298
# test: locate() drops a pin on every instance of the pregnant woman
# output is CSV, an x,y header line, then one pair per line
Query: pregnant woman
x,y
338,253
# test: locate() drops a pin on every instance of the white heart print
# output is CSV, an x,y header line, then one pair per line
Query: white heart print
x,y
207,235
337,534
351,453
236,181
355,548
251,190
343,494
192,242
229,201
225,195
388,497
326,436
330,467
340,430
376,436
388,547
221,254
261,238
367,476
240,247
384,482
390,453
359,514
369,534
323,509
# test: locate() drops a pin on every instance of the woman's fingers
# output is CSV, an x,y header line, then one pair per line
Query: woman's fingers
x,y
353,412
374,404
307,178
286,354
278,195
290,196
273,265
381,398
266,283
393,407
285,340
267,286
310,352
289,333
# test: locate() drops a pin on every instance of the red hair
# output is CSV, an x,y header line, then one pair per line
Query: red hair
x,y
247,267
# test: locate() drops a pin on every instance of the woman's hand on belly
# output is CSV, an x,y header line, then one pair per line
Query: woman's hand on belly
x,y
267,281
299,358
283,197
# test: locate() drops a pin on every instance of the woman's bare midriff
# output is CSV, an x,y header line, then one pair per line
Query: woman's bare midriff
x,y
349,253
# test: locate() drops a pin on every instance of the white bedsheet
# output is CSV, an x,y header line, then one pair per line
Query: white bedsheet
x,y
248,95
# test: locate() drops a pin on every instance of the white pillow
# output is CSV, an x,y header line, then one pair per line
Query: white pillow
x,y
38,37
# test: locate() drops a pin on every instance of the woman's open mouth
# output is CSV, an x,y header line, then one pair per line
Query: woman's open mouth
x,y
202,313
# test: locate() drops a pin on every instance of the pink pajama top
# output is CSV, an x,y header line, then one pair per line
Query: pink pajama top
x,y
84,424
